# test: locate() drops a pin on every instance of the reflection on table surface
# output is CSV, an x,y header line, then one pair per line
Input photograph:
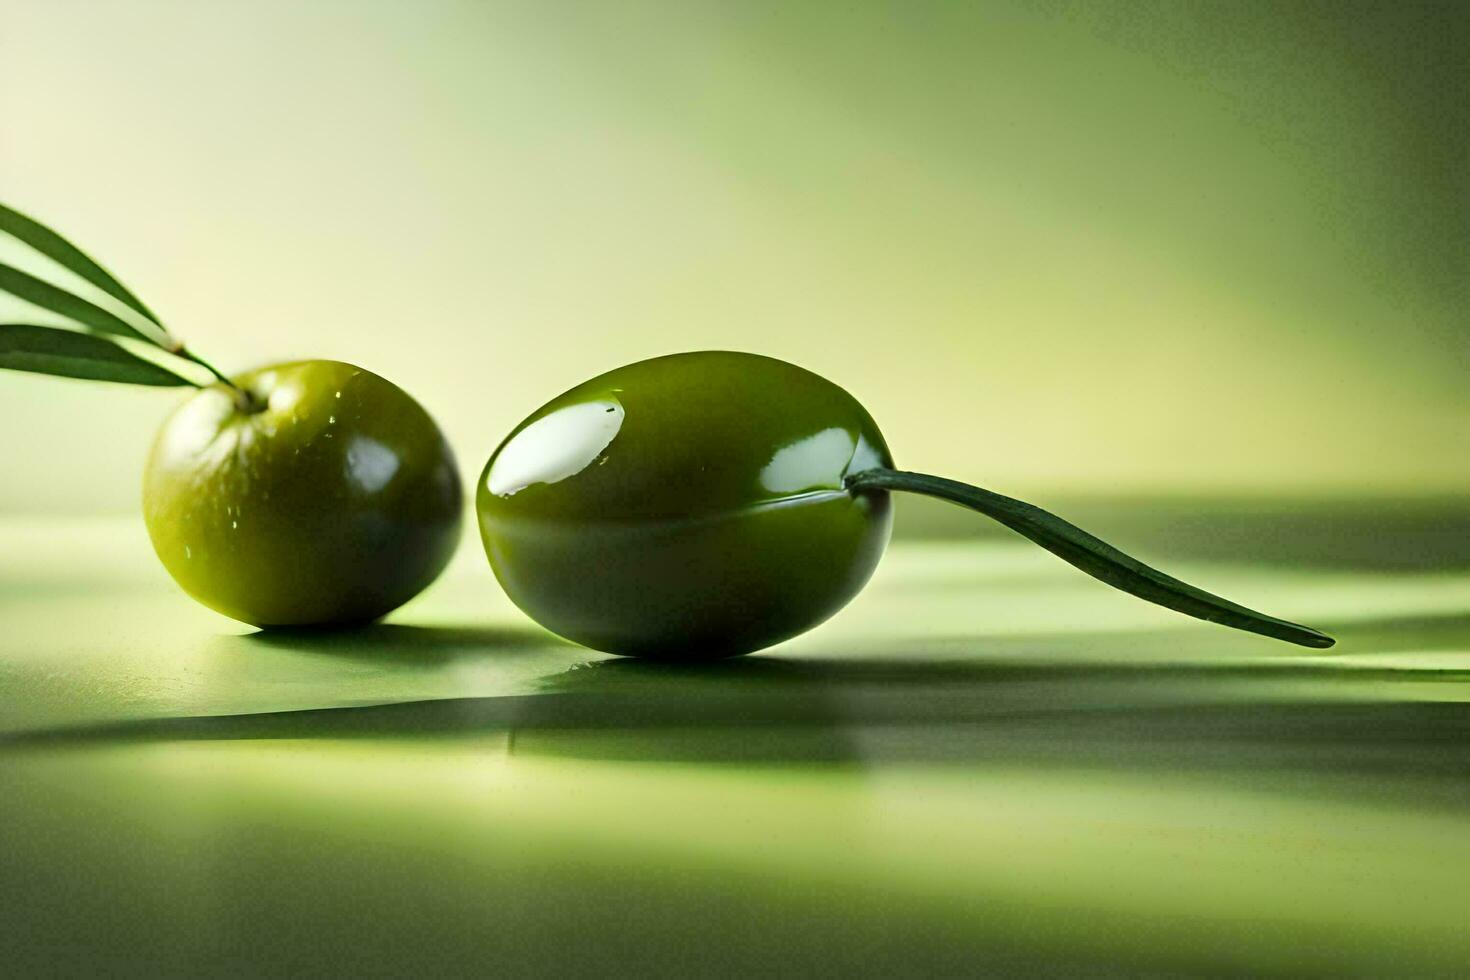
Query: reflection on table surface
x,y
989,762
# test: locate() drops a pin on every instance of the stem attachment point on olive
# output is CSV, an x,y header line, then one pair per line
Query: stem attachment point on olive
x,y
245,400
1089,554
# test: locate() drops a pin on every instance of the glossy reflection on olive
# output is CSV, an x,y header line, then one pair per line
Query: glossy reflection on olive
x,y
331,498
688,506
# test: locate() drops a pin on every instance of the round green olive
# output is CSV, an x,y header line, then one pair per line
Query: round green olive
x,y
314,493
688,506
710,504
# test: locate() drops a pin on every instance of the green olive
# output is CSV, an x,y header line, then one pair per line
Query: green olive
x,y
710,504
313,493
687,506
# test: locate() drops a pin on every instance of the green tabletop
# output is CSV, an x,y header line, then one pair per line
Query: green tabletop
x,y
988,763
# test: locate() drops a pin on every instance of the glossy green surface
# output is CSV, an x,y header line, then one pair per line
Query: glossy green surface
x,y
989,763
335,500
688,506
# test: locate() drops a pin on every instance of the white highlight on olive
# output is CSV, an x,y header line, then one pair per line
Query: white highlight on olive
x,y
865,457
371,463
817,461
195,430
555,447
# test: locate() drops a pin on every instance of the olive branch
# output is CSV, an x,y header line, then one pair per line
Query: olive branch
x,y
99,350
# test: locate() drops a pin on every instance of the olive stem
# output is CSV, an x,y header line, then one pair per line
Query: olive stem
x,y
243,399
1095,557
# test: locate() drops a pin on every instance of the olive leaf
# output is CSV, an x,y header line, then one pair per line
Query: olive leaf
x,y
40,293
49,350
1095,557
64,253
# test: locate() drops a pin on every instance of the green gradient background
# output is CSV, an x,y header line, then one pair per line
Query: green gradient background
x,y
1211,257
1086,248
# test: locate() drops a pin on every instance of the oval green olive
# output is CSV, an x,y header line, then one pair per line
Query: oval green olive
x,y
686,506
326,496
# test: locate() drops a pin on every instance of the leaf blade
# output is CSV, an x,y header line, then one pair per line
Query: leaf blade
x,y
40,293
57,248
63,353
1094,556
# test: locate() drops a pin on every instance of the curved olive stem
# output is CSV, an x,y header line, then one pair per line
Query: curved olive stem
x,y
244,399
1095,557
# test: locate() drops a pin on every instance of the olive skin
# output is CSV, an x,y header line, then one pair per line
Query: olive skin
x,y
686,507
330,499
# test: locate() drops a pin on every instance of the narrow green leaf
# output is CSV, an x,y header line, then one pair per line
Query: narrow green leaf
x,y
40,293
48,350
64,253
1095,557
